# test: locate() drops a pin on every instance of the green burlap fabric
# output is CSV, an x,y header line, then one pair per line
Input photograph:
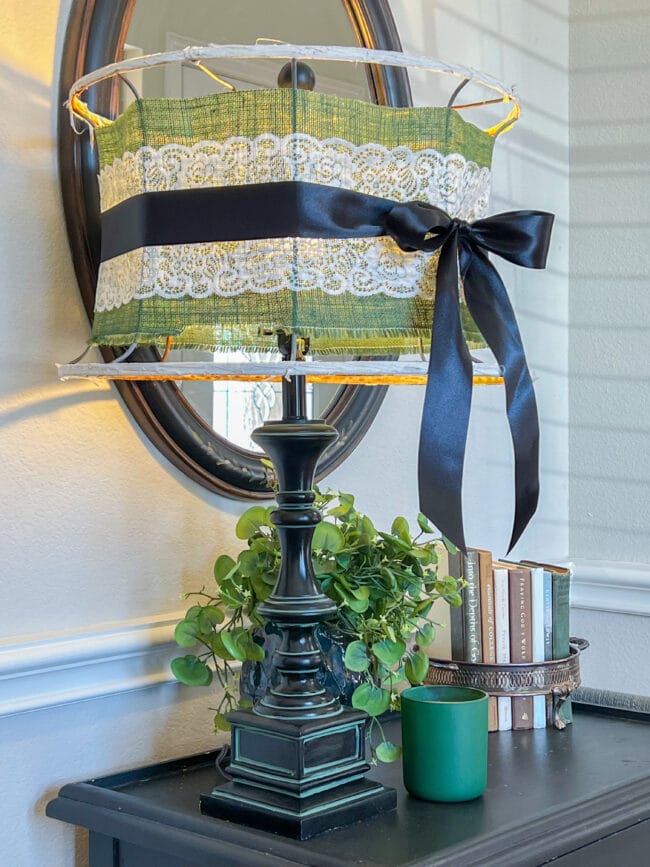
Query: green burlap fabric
x,y
323,289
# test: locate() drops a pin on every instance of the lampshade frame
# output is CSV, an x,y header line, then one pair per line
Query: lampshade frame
x,y
94,38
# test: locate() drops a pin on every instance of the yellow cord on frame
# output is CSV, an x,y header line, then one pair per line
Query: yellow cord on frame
x,y
335,378
80,110
509,121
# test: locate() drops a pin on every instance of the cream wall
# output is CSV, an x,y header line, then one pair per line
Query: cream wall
x,y
583,134
609,386
100,534
527,43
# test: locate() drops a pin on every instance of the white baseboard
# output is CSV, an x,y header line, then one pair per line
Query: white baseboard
x,y
48,670
601,585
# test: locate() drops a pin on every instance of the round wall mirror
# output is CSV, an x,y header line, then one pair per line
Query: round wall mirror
x,y
204,427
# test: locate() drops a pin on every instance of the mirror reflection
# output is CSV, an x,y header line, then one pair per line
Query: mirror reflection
x,y
235,409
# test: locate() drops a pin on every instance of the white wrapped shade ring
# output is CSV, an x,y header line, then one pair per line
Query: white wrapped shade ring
x,y
349,54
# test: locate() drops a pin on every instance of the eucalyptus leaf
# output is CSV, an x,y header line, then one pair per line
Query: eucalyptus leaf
x,y
446,585
424,556
357,605
254,651
328,537
191,671
356,656
326,586
416,667
342,579
221,724
425,634
233,646
387,752
211,615
231,594
343,559
423,608
218,647
449,545
373,699
322,566
388,577
270,578
389,652
396,542
454,599
382,672
251,522
261,589
265,545
223,566
186,633
248,562
400,528
413,587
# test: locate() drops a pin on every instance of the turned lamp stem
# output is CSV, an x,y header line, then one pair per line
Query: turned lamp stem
x,y
297,605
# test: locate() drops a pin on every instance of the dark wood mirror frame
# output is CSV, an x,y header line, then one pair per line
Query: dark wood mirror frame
x,y
95,35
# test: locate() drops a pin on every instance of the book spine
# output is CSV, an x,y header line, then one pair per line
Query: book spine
x,y
548,634
488,630
502,640
456,620
548,615
537,595
472,609
561,600
561,591
521,640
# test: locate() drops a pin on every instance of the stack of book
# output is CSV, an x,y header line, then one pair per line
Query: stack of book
x,y
511,613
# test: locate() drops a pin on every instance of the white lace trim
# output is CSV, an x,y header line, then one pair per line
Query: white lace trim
x,y
360,266
451,181
357,266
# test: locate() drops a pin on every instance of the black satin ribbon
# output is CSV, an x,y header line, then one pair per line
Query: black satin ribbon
x,y
521,237
301,209
286,209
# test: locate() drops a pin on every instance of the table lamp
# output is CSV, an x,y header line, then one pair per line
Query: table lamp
x,y
319,225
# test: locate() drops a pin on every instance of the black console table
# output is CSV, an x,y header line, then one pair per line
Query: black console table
x,y
578,797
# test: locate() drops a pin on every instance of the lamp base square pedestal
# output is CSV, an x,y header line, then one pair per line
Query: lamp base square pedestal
x,y
298,778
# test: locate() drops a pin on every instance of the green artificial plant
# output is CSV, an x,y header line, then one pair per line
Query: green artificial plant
x,y
384,585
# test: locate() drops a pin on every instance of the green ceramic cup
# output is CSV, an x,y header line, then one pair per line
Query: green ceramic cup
x,y
444,742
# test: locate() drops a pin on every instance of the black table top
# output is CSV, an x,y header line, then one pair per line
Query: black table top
x,y
548,793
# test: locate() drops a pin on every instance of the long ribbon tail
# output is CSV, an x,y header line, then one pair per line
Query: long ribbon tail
x,y
490,306
447,401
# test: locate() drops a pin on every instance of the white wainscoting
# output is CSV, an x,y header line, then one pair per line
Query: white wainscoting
x,y
601,585
46,670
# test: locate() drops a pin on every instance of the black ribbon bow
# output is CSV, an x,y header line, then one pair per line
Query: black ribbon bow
x,y
521,237
288,209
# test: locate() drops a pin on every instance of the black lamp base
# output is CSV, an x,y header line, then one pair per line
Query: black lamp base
x,y
298,778
298,759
